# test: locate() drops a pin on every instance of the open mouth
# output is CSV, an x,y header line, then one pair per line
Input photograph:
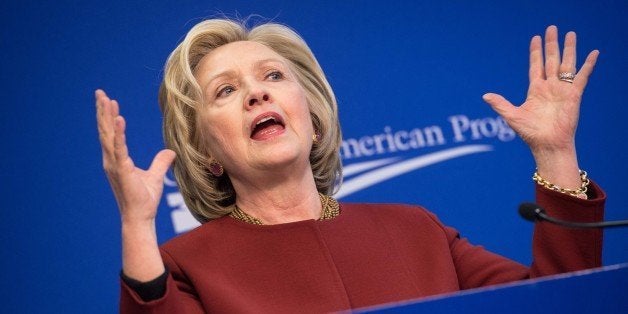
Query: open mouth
x,y
266,126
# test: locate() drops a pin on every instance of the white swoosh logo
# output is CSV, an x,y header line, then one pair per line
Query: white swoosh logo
x,y
367,165
382,174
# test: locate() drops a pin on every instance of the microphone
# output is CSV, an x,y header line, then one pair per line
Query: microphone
x,y
533,212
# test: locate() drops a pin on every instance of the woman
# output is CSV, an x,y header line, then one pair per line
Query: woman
x,y
253,124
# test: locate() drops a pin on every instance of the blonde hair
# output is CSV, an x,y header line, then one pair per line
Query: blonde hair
x,y
180,98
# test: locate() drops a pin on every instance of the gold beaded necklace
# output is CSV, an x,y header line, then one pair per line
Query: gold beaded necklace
x,y
330,209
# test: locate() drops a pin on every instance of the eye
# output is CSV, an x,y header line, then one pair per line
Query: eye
x,y
275,76
225,91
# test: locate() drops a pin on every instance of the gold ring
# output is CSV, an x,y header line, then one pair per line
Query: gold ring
x,y
566,77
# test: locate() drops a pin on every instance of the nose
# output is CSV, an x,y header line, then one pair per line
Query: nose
x,y
257,96
256,100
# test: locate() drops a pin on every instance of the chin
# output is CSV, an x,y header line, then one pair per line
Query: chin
x,y
284,155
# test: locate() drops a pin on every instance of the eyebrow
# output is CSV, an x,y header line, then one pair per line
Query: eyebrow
x,y
262,62
256,64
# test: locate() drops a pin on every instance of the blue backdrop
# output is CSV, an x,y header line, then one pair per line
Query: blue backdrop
x,y
401,71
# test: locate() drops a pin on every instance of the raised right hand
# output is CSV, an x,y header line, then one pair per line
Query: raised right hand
x,y
137,191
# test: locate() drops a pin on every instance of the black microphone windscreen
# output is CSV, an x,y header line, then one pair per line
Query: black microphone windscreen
x,y
529,211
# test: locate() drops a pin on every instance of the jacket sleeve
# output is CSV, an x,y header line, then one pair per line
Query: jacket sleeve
x,y
179,297
555,249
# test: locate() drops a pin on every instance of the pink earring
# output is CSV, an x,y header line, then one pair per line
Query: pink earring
x,y
216,169
316,137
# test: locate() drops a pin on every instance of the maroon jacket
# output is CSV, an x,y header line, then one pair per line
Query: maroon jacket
x,y
370,254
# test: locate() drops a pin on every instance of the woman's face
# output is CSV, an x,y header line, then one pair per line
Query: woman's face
x,y
255,115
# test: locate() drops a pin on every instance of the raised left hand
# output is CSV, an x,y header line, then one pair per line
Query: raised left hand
x,y
549,116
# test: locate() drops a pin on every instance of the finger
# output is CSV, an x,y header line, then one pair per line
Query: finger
x,y
162,162
568,63
585,71
502,106
120,149
536,59
99,93
115,108
109,109
105,125
552,57
101,108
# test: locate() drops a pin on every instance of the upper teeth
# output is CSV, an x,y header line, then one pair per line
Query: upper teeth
x,y
264,120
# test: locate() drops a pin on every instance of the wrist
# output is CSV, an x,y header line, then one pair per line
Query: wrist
x,y
132,221
559,166
143,232
554,154
141,259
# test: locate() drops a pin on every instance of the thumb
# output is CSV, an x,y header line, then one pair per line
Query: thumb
x,y
162,162
502,106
